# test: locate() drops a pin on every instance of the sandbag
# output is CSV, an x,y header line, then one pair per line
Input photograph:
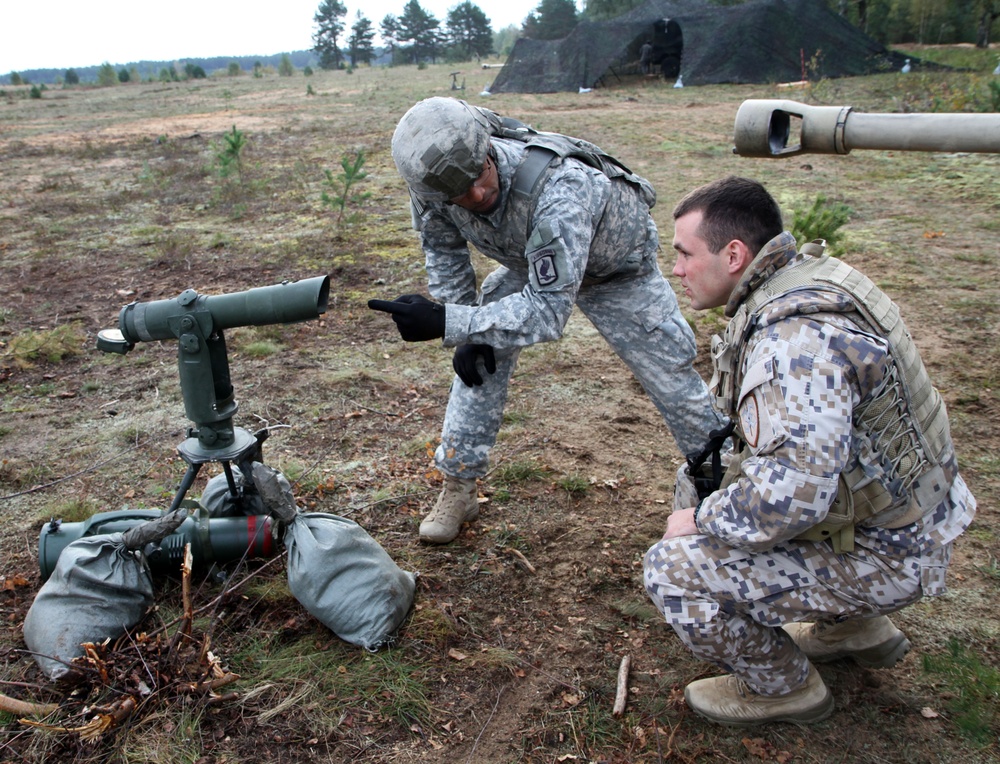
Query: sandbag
x,y
336,571
101,587
343,577
219,502
98,590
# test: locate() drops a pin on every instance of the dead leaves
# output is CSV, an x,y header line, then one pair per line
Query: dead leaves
x,y
766,750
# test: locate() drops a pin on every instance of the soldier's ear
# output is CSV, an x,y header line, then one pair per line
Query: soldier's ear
x,y
738,256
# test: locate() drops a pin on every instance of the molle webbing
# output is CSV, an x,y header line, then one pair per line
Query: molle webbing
x,y
906,415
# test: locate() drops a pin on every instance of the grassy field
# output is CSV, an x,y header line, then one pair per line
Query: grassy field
x,y
518,628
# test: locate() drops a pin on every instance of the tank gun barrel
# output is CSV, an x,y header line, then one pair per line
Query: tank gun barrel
x,y
764,128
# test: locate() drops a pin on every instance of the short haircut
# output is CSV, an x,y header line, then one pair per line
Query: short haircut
x,y
733,208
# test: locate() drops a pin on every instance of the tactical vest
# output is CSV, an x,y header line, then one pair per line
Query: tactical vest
x,y
906,416
543,149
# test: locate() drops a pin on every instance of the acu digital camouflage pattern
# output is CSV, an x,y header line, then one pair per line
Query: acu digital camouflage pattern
x,y
582,240
727,590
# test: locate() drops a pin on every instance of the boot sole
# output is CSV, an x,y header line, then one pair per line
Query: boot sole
x,y
812,716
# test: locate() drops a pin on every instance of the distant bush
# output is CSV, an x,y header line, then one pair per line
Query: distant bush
x,y
106,75
71,77
35,92
234,69
308,72
285,68
15,79
123,75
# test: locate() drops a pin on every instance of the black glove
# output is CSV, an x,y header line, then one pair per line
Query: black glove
x,y
465,360
417,318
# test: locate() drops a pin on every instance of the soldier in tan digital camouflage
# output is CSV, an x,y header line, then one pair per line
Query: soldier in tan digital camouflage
x,y
569,225
845,499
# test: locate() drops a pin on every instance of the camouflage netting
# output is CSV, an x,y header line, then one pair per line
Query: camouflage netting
x,y
759,41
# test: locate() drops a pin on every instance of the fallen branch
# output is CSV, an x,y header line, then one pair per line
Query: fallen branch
x,y
523,560
24,708
621,694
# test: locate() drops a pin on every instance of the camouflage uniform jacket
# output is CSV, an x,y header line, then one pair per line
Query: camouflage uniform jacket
x,y
809,362
579,225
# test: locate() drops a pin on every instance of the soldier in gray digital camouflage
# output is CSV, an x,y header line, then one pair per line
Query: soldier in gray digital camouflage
x,y
844,499
569,226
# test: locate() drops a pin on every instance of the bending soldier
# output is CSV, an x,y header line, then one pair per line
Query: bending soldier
x,y
844,502
569,226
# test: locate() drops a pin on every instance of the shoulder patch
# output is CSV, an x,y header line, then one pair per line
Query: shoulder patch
x,y
543,265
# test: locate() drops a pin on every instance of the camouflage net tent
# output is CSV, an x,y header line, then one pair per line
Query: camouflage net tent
x,y
758,41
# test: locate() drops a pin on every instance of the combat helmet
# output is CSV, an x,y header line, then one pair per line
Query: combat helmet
x,y
439,147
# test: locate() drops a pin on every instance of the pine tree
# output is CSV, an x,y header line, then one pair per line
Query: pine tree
x,y
360,43
328,28
469,30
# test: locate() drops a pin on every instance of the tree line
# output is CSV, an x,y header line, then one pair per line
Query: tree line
x,y
415,35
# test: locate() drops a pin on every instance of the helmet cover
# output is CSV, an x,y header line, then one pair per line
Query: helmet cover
x,y
440,146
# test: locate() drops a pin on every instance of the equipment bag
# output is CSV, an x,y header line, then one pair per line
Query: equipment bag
x,y
344,578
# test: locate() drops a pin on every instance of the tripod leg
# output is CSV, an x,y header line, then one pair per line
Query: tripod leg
x,y
186,482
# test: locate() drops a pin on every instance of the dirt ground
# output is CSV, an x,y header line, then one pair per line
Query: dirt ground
x,y
519,627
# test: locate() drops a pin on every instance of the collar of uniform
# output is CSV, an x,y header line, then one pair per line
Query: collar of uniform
x,y
774,256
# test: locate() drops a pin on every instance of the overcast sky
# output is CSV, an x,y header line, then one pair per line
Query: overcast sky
x,y
59,34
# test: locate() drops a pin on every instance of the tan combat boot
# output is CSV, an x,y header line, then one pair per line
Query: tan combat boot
x,y
872,642
728,700
457,504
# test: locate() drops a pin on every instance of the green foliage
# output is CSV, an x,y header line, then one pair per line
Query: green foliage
x,y
106,75
123,75
285,68
234,69
35,92
51,345
551,20
194,72
932,92
973,691
15,79
329,27
360,44
71,77
468,31
420,28
822,220
168,75
341,192
519,471
307,72
309,90
258,70
574,484
230,156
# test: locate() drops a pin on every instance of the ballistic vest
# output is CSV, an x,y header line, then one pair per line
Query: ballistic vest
x,y
906,416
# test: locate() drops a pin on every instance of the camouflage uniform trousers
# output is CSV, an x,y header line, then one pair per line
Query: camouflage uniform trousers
x,y
727,605
639,317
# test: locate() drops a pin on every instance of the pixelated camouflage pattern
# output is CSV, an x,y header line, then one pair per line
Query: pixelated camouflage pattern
x,y
602,243
727,589
439,147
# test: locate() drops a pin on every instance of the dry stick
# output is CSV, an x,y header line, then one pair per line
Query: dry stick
x,y
183,631
24,708
524,560
621,694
